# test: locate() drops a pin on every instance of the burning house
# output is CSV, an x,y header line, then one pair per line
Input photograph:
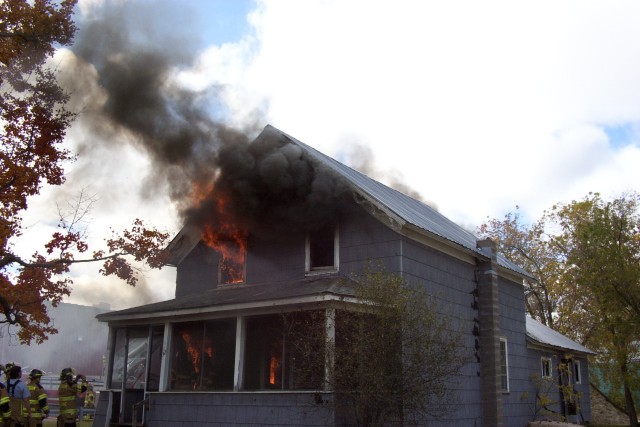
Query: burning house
x,y
281,229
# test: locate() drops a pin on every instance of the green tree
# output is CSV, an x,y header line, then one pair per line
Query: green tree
x,y
394,356
34,120
601,240
585,256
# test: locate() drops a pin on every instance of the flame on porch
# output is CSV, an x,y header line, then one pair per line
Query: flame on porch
x,y
197,350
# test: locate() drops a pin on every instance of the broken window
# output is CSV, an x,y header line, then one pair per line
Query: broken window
x,y
322,249
285,352
230,243
232,261
203,355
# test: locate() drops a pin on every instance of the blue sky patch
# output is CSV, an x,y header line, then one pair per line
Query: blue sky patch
x,y
622,135
220,21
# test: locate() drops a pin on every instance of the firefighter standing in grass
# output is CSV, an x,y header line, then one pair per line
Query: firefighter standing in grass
x,y
18,398
38,399
5,409
68,391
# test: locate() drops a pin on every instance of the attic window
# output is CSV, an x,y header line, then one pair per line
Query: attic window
x,y
322,249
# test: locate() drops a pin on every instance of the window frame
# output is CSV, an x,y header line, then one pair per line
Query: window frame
x,y
504,365
221,261
543,373
309,270
577,373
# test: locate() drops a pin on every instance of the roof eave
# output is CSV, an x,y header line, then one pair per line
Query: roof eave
x,y
545,346
249,308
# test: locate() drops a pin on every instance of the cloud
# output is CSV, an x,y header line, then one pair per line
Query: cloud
x,y
477,106
481,106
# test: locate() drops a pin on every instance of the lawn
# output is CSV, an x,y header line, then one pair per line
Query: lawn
x,y
52,422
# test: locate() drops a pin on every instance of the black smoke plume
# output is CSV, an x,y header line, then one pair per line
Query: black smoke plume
x,y
135,56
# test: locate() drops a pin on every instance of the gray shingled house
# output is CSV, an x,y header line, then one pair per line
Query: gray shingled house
x,y
213,356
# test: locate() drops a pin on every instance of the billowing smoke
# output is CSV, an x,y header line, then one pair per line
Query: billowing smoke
x,y
182,131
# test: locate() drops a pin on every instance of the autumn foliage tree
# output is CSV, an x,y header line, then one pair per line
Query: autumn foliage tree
x,y
34,120
585,256
601,240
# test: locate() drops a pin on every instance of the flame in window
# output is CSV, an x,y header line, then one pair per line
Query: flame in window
x,y
224,234
193,350
274,367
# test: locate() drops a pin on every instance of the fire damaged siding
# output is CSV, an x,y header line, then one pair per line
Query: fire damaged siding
x,y
241,409
275,260
198,272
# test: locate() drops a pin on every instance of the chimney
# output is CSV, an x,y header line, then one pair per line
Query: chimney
x,y
489,319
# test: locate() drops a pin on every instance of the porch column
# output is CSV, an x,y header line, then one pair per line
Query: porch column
x,y
238,370
330,325
165,359
489,319
111,341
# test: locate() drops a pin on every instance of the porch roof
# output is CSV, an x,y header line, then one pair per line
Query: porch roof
x,y
545,336
242,296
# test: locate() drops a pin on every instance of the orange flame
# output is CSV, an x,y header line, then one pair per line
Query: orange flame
x,y
274,364
193,349
226,237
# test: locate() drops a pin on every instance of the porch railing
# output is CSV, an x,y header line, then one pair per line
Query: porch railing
x,y
134,411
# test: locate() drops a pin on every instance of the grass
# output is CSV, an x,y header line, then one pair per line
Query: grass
x,y
52,422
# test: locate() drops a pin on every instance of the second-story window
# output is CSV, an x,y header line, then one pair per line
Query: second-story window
x,y
230,243
322,249
232,262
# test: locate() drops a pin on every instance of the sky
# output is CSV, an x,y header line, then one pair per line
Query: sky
x,y
478,107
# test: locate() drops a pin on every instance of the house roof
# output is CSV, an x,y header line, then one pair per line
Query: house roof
x,y
545,336
232,297
403,208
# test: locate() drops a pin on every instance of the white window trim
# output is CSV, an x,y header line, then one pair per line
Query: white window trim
x,y
577,373
542,370
506,364
323,270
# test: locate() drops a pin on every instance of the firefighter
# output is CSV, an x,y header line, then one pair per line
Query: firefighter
x,y
38,400
68,391
18,398
5,408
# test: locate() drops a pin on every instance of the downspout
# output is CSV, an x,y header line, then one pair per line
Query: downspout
x,y
489,320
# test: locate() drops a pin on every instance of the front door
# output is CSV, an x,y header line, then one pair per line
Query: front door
x,y
135,369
